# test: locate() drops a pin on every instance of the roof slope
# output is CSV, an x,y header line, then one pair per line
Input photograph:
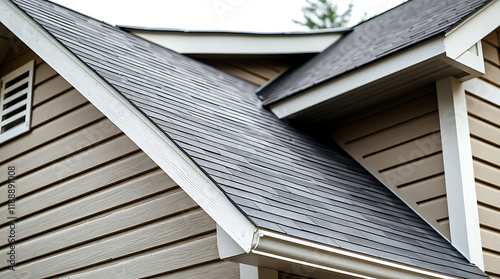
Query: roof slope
x,y
404,26
281,179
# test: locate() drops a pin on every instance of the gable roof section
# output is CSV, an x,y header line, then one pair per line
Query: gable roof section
x,y
393,31
281,179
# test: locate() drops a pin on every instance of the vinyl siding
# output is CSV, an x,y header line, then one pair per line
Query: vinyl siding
x,y
484,124
401,146
258,71
90,203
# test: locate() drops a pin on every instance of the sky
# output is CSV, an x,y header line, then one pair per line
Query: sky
x,y
230,15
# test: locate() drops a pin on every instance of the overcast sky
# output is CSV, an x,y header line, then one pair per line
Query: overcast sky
x,y
234,15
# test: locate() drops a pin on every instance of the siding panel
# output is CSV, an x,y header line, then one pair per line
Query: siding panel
x,y
144,238
169,258
89,202
484,124
258,70
162,206
401,146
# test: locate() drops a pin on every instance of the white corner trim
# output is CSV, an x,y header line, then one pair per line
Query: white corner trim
x,y
458,170
483,89
459,39
328,258
358,78
132,122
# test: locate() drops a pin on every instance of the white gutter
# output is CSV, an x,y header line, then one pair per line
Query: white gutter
x,y
327,258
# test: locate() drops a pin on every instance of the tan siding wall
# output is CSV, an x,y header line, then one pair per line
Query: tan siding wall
x,y
484,123
90,203
401,146
258,71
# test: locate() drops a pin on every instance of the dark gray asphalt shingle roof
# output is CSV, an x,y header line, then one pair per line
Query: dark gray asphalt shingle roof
x,y
280,178
404,26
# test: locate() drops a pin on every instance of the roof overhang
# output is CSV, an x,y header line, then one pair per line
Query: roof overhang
x,y
457,53
239,43
285,253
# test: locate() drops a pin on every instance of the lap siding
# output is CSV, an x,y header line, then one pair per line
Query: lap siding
x,y
401,146
484,123
90,203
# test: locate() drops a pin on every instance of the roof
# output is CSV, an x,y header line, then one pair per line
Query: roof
x,y
280,178
404,26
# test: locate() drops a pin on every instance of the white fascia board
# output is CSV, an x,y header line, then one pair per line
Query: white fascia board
x,y
240,44
458,170
366,75
463,36
328,258
133,123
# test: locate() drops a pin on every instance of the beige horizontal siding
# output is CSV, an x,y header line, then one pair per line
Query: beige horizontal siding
x,y
484,124
90,203
401,146
216,270
258,71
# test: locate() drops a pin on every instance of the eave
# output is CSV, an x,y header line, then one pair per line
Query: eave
x,y
457,53
240,43
282,252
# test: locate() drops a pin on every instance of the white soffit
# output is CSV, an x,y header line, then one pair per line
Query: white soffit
x,y
240,43
132,122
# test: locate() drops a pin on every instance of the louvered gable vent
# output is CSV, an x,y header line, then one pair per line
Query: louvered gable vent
x,y
15,102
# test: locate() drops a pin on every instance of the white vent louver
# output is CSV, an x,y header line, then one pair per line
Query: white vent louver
x,y
15,102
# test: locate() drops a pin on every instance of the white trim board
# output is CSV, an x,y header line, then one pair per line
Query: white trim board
x,y
132,122
240,44
458,170
461,38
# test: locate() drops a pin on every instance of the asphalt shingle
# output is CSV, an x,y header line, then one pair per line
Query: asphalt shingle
x,y
282,179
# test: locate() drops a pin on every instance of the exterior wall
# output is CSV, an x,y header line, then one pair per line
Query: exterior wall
x,y
484,124
258,71
401,146
90,203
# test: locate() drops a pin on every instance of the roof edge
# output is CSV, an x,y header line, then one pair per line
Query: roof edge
x,y
219,32
472,29
136,125
293,250
310,97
